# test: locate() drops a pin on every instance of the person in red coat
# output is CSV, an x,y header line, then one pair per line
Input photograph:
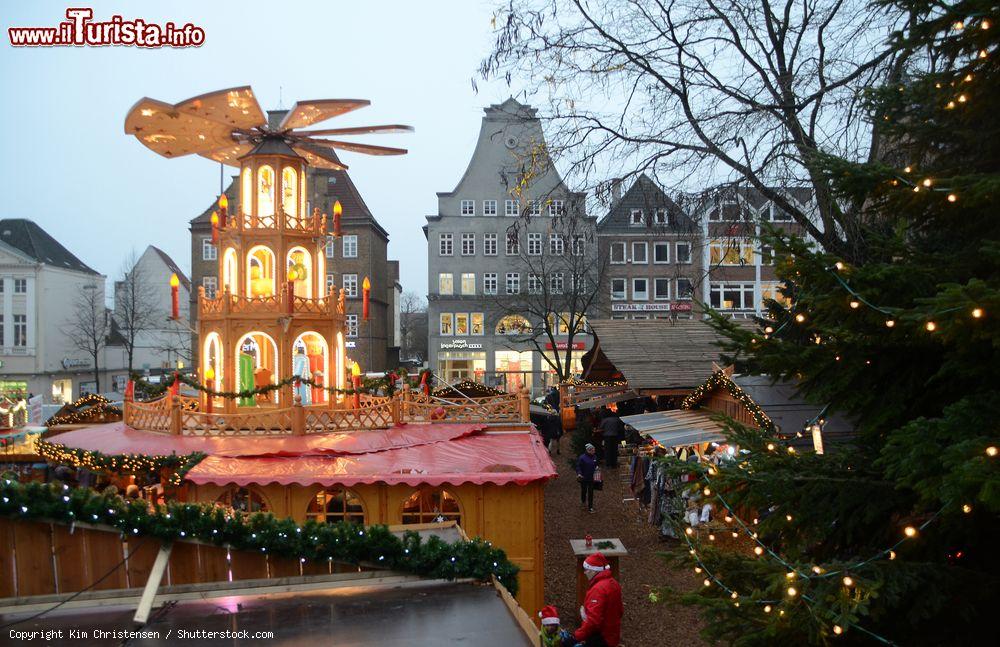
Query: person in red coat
x,y
602,607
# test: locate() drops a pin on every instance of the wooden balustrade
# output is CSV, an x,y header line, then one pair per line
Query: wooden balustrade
x,y
225,304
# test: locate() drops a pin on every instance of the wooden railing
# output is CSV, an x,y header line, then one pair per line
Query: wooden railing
x,y
179,416
225,304
314,223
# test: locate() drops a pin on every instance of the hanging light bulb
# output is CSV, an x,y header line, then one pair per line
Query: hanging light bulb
x,y
910,531
706,582
839,265
889,323
758,550
792,592
966,508
952,197
985,24
855,304
697,569
961,98
991,451
977,313
959,25
837,629
788,517
892,554
907,169
767,608
848,581
926,182
930,326
800,317
790,575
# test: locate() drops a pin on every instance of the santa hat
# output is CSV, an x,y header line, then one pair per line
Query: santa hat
x,y
549,615
596,562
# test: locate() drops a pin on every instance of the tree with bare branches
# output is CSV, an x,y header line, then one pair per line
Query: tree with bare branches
x,y
707,93
413,326
88,327
135,306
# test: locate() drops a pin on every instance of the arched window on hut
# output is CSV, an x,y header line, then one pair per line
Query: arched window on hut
x,y
336,504
243,499
430,505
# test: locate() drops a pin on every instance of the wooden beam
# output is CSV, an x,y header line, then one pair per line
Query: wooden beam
x,y
153,584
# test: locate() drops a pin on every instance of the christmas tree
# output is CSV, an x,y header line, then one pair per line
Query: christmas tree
x,y
892,538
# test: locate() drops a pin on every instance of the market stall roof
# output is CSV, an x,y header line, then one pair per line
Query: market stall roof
x,y
497,457
655,354
788,410
678,427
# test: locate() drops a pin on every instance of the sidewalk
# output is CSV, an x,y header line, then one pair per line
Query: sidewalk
x,y
645,624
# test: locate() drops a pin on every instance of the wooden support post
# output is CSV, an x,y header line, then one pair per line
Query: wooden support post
x,y
524,404
394,409
298,417
175,415
152,584
406,401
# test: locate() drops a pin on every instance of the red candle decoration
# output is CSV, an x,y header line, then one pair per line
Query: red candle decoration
x,y
356,383
223,209
129,391
175,298
366,292
337,211
215,227
175,386
209,384
292,275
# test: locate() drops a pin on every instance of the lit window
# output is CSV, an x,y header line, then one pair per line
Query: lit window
x,y
513,325
618,289
489,207
661,289
556,282
211,284
468,207
510,208
350,285
350,246
772,290
246,197
445,243
209,252
468,244
661,252
490,244
243,499
477,323
431,506
635,218
683,252
331,506
730,252
556,244
289,190
731,296
490,283
446,283
468,283
534,244
513,283
447,323
265,191
640,253
351,325
640,289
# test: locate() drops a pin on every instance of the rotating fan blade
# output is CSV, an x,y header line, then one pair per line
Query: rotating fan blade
x,y
307,113
171,133
360,130
319,158
367,149
229,155
235,107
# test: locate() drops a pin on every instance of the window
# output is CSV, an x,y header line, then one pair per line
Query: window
x,y
510,208
780,215
556,283
513,283
661,289
635,218
468,207
640,289
618,252
513,244
731,296
430,506
447,323
730,252
208,251
477,323
468,283
350,285
445,244
772,290
489,207
580,283
640,253
618,289
21,330
556,244
579,245
331,506
468,244
490,283
331,282
513,325
242,499
660,217
211,284
446,283
21,286
661,252
555,207
534,244
534,284
330,246
350,246
351,325
766,255
490,244
461,323
726,209
683,252
685,289
536,208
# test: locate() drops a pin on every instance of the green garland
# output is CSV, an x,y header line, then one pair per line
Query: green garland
x,y
151,391
138,464
720,379
262,532
98,407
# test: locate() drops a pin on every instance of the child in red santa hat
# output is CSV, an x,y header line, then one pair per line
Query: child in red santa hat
x,y
552,635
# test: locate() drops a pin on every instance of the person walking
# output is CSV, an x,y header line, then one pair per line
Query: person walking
x,y
602,607
612,431
586,466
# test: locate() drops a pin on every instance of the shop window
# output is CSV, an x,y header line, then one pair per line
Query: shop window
x,y
461,324
432,506
513,325
477,323
337,504
447,323
243,499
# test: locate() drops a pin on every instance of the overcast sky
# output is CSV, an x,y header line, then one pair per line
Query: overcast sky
x,y
68,165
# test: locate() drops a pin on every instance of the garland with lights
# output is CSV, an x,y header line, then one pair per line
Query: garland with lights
x,y
154,390
468,389
98,409
261,532
720,379
132,464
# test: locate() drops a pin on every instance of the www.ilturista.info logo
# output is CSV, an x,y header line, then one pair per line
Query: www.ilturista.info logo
x,y
79,30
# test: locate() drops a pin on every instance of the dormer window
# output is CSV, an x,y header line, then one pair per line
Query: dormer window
x,y
660,217
468,208
635,218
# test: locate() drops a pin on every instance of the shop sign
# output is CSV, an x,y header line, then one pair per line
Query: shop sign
x,y
351,344
75,363
463,344
650,307
562,345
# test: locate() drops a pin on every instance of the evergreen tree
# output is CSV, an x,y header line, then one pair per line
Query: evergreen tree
x,y
894,537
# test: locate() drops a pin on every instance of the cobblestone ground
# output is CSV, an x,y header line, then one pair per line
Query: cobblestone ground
x,y
646,624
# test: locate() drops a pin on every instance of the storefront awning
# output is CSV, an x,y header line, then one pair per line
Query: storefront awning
x,y
677,428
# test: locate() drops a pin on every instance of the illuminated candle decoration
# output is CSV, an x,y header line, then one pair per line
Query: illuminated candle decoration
x,y
338,210
209,384
215,228
175,299
356,383
223,209
366,292
175,386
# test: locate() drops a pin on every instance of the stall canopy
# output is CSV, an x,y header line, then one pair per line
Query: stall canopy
x,y
677,428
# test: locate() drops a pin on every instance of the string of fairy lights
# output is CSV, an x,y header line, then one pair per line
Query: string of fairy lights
x,y
721,379
131,464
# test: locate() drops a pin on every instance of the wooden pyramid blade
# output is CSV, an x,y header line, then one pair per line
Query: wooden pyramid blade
x,y
307,113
